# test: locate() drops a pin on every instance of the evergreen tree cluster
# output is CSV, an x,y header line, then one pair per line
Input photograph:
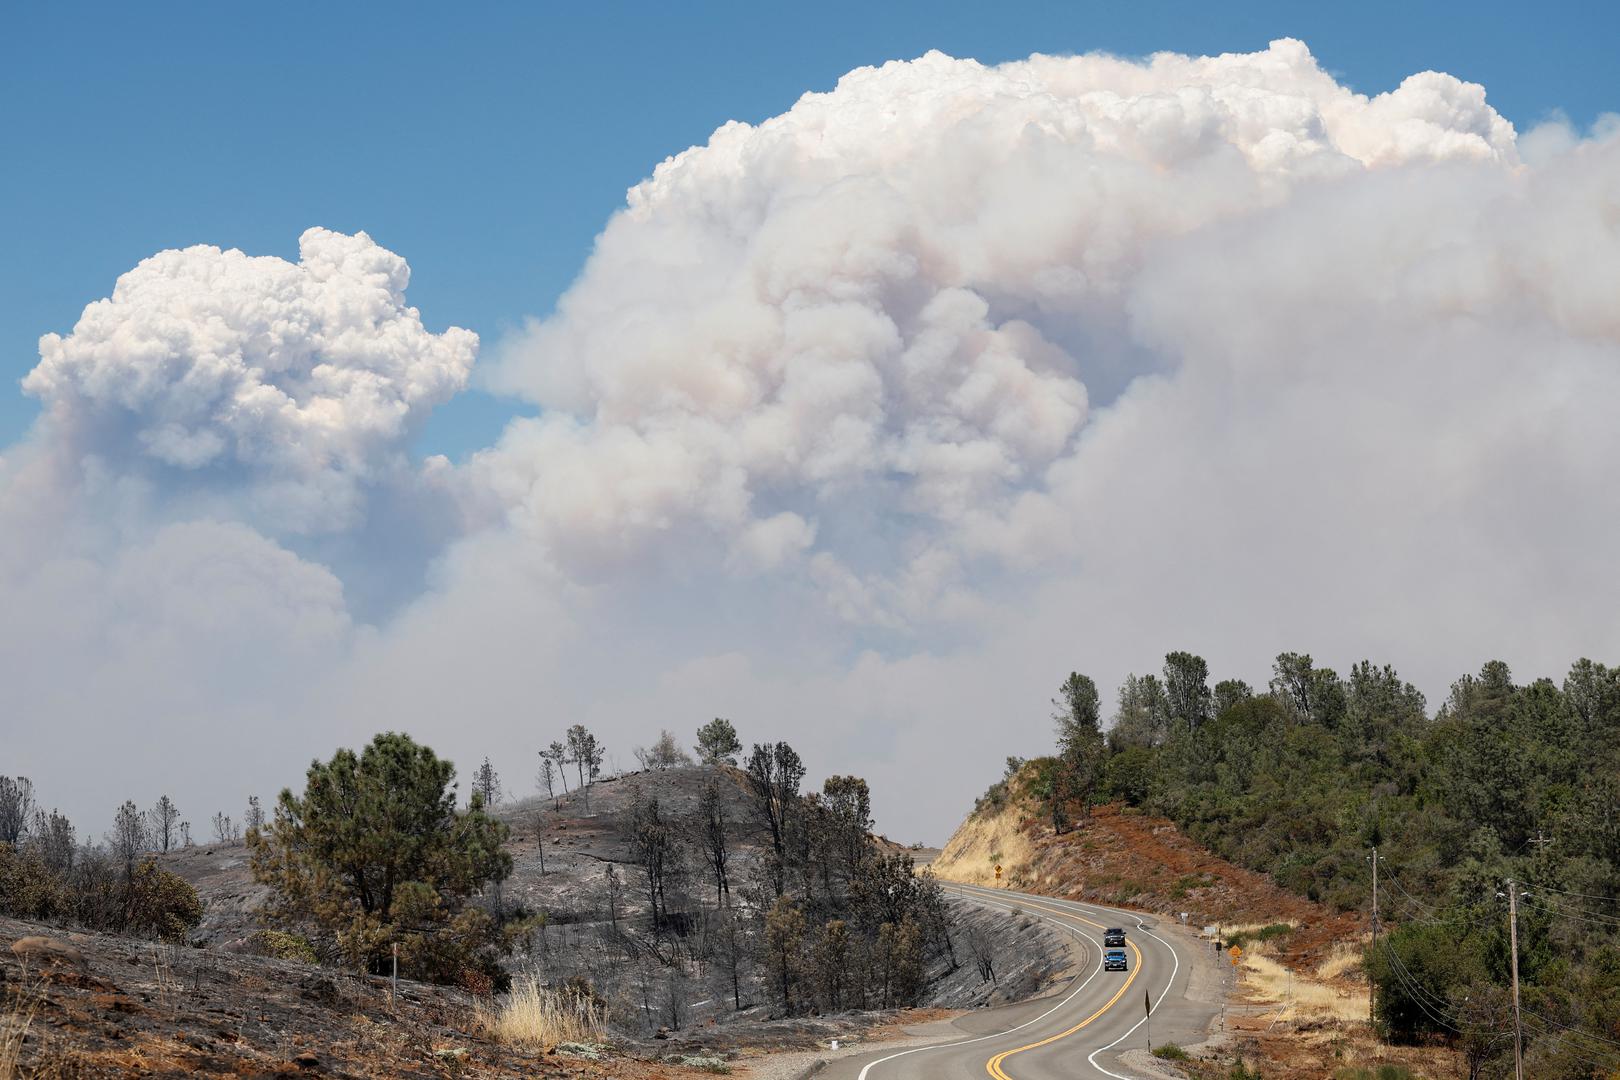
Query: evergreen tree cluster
x,y
1504,782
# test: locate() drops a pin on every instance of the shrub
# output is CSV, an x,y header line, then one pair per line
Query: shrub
x,y
544,1018
28,887
149,901
1171,1052
160,903
1265,933
280,945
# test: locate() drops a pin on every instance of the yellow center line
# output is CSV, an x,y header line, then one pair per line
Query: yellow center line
x,y
993,1066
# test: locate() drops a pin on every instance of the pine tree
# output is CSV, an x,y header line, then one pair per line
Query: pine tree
x,y
717,743
487,784
375,851
164,819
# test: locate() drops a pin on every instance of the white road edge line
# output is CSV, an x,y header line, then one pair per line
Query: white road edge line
x,y
1092,1057
1174,956
1076,931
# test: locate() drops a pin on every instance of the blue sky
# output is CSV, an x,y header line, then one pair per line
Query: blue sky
x,y
487,144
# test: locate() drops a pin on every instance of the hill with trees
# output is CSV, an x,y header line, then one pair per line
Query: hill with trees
x,y
1507,791
709,900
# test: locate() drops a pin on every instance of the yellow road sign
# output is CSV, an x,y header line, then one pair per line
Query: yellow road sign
x,y
998,869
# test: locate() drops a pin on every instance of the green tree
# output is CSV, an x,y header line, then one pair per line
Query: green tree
x,y
1419,973
1143,717
717,743
1053,786
847,801
1230,692
376,854
1186,689
1081,750
831,962
1315,694
899,962
784,946
664,753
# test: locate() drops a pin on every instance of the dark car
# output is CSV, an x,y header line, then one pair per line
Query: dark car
x,y
1113,937
1114,960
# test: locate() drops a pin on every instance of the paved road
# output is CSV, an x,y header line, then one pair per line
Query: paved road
x,y
1078,1031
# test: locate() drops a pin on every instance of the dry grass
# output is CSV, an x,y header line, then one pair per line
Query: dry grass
x,y
1245,932
1343,961
1297,995
541,1018
980,844
18,1017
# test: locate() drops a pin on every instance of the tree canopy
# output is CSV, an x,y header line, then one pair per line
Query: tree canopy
x,y
375,853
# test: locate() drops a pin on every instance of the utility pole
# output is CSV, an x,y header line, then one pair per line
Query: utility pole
x,y
1372,996
1513,945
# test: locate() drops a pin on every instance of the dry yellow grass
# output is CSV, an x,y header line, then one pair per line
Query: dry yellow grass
x,y
1233,931
14,1024
1345,959
980,844
1297,995
539,1017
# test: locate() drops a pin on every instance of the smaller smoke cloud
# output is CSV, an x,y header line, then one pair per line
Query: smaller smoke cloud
x,y
251,387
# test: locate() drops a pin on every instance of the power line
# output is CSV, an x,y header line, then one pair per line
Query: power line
x,y
1567,892
1432,917
1607,921
1432,1005
1578,1031
1606,1059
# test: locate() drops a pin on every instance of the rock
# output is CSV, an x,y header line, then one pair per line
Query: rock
x,y
47,951
307,1060
114,1003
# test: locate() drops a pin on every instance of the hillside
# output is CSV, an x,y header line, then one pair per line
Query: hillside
x,y
1299,1001
122,1007
232,1001
562,850
1128,858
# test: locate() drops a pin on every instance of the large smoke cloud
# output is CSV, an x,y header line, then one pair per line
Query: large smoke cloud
x,y
867,424
897,300
260,387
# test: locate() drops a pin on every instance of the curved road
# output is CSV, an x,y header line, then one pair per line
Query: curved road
x,y
1077,1032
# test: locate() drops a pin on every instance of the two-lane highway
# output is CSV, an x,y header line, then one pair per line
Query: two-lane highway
x,y
1080,1031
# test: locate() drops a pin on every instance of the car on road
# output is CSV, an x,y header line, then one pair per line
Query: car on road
x,y
1113,937
1114,960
